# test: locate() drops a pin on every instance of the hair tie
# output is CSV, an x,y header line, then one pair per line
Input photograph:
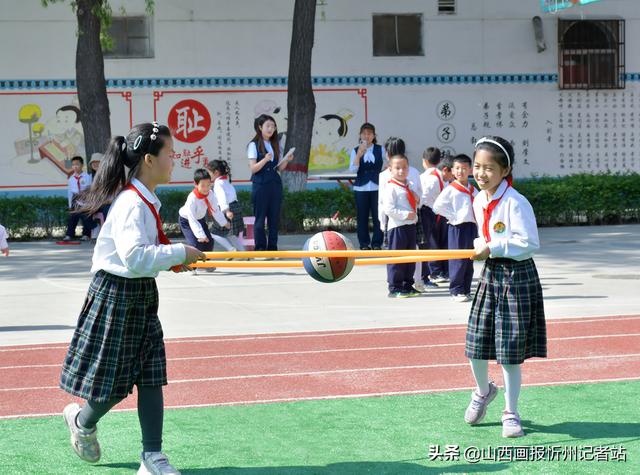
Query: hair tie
x,y
497,144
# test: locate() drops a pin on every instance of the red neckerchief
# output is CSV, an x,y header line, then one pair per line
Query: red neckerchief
x,y
486,212
412,199
162,237
223,177
200,196
435,173
78,178
462,189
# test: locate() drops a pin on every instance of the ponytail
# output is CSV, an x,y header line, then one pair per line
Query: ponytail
x,y
122,154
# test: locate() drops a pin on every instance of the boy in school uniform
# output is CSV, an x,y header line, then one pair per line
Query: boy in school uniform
x,y
434,180
78,182
200,202
400,204
385,175
455,203
431,184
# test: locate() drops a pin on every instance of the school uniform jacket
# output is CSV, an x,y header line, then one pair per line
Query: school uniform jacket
x,y
396,206
84,180
511,227
456,206
195,209
431,181
128,241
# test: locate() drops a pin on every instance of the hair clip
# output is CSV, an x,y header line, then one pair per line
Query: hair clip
x,y
137,142
123,147
154,136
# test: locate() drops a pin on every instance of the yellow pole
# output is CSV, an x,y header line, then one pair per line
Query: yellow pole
x,y
442,254
358,262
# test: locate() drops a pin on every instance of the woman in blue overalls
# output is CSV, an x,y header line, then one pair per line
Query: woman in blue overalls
x,y
366,161
265,161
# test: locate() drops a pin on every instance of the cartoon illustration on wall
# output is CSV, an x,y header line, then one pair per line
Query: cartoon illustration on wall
x,y
56,140
329,144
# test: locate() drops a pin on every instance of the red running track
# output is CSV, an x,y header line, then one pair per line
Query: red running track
x,y
208,371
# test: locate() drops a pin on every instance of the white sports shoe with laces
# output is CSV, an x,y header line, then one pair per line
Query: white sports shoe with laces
x,y
84,442
156,463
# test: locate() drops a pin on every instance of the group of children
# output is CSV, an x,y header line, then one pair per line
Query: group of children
x,y
118,341
213,196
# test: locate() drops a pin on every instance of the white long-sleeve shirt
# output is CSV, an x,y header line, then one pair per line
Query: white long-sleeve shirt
x,y
195,209
396,205
455,205
432,185
128,243
3,237
225,193
513,231
385,175
72,185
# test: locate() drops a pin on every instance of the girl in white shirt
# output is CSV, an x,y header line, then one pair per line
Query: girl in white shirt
x,y
506,322
228,203
118,340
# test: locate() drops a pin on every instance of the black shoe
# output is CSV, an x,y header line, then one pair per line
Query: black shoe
x,y
377,248
365,248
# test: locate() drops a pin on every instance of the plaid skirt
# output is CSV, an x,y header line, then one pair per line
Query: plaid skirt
x,y
507,321
237,223
117,342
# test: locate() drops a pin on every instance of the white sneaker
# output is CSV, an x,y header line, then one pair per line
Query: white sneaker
x,y
461,298
84,442
156,463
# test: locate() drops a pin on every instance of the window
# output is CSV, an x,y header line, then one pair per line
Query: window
x,y
446,7
131,38
591,54
397,35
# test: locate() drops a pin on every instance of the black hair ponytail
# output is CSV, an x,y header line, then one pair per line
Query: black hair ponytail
x,y
395,146
121,154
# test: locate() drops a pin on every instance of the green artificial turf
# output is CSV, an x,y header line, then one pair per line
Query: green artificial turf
x,y
382,435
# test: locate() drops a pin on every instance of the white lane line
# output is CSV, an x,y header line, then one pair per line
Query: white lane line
x,y
337,396
347,371
332,350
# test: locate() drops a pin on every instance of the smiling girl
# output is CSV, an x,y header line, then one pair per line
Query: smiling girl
x,y
507,320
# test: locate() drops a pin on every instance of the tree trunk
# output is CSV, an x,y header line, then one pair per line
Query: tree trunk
x,y
301,105
90,81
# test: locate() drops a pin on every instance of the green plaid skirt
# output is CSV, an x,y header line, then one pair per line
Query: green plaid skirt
x,y
507,321
117,342
237,223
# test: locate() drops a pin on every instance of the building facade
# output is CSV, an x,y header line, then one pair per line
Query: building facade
x,y
563,87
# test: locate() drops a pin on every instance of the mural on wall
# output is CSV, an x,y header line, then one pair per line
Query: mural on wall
x,y
55,138
44,132
208,125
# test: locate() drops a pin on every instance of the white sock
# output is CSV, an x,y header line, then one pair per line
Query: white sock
x,y
512,382
223,242
480,370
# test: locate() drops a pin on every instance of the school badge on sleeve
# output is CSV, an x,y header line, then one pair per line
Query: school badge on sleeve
x,y
499,227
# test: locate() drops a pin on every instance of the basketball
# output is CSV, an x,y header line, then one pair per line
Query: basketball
x,y
328,269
